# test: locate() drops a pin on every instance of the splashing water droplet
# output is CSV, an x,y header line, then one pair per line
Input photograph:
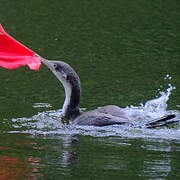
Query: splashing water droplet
x,y
152,109
42,105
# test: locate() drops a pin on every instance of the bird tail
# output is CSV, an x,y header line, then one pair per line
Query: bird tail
x,y
163,121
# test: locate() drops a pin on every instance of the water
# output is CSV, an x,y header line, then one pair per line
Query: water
x,y
126,53
49,122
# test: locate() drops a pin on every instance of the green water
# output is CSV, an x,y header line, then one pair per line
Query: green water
x,y
122,51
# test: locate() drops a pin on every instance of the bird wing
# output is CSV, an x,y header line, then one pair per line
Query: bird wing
x,y
93,118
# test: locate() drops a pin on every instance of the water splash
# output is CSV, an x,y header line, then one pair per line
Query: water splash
x,y
152,109
49,122
42,105
159,106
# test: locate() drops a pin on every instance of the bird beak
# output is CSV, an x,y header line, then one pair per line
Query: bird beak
x,y
47,63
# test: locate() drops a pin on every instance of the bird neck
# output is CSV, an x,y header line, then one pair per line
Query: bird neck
x,y
71,107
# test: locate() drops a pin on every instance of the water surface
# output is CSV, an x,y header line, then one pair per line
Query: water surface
x,y
124,52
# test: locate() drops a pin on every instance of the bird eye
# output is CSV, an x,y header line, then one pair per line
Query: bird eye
x,y
55,66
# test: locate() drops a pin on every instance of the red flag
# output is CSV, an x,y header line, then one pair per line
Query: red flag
x,y
13,54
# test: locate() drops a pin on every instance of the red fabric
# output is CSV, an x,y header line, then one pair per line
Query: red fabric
x,y
13,54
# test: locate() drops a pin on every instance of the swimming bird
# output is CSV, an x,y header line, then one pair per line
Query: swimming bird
x,y
107,115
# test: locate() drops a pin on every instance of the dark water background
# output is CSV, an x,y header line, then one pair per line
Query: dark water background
x,y
122,51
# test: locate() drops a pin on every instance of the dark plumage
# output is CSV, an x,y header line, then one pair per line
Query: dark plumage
x,y
107,115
